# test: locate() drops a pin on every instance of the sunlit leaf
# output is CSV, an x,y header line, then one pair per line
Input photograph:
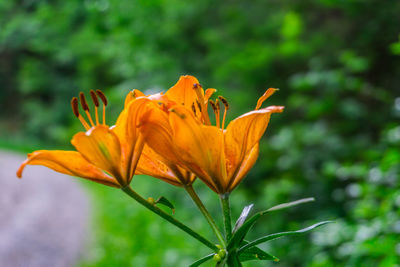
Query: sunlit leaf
x,y
277,235
241,232
291,204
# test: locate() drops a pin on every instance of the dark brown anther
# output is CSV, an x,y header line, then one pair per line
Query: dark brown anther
x,y
103,98
83,101
212,103
74,105
94,98
224,101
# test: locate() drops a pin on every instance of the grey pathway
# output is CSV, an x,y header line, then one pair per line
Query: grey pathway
x,y
43,217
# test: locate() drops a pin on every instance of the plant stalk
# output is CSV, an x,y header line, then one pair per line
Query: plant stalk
x,y
226,209
206,214
129,191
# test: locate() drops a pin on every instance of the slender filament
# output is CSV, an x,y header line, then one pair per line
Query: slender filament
x,y
226,105
75,110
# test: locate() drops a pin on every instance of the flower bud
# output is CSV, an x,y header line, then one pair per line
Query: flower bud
x,y
222,253
217,258
151,200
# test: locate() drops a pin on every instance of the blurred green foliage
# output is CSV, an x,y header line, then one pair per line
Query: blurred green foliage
x,y
337,64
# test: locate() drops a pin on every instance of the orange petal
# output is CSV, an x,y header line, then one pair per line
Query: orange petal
x,y
126,126
67,162
132,95
157,133
248,163
182,92
151,164
242,134
128,133
200,147
267,94
101,147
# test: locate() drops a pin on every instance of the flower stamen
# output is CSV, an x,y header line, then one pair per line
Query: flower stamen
x,y
85,107
226,105
215,107
96,105
103,98
218,111
75,110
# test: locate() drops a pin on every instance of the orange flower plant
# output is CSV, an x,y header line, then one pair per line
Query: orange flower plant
x,y
110,155
170,136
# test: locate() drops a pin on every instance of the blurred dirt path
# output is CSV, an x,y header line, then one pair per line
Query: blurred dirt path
x,y
43,217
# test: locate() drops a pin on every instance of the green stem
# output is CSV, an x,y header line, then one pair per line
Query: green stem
x,y
206,214
128,190
227,215
221,263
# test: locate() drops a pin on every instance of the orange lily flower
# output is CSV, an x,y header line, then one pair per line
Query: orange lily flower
x,y
152,163
220,157
104,155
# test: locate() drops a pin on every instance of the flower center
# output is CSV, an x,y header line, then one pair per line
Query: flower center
x,y
85,107
217,110
201,103
201,106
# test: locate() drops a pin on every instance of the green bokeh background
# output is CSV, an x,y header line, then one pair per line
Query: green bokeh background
x,y
336,62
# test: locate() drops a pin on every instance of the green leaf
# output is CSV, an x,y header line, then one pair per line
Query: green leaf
x,y
239,235
202,260
163,201
242,217
277,235
241,232
291,204
255,253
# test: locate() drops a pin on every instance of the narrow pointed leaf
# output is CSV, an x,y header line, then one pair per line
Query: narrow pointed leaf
x,y
202,260
163,201
241,232
243,217
239,235
277,235
255,253
291,204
